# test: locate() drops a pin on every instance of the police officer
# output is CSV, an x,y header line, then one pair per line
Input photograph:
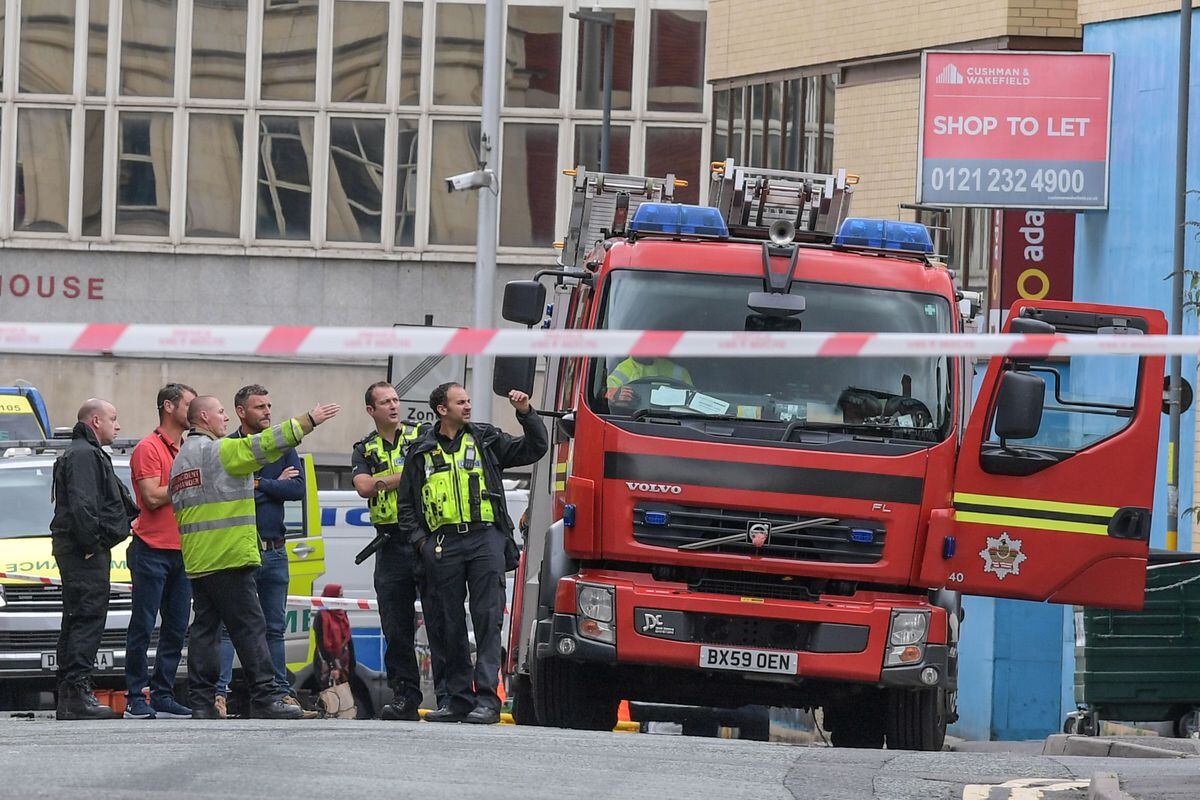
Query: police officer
x,y
377,462
452,502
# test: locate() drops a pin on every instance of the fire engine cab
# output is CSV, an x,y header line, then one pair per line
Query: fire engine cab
x,y
797,532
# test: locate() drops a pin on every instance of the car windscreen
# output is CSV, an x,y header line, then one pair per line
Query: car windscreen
x,y
905,397
27,502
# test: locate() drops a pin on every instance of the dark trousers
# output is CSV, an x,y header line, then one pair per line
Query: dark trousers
x,y
85,586
398,581
471,564
160,588
228,596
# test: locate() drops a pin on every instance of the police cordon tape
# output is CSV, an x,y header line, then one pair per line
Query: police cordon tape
x,y
299,601
284,340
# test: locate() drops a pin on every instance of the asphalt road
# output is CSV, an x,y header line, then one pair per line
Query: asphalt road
x,y
373,759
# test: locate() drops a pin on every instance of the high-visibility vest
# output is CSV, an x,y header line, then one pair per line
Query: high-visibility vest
x,y
631,370
455,490
386,462
212,492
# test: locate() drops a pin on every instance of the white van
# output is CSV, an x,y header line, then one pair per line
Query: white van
x,y
346,528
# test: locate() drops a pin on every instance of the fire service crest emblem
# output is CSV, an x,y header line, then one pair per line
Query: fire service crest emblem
x,y
1002,556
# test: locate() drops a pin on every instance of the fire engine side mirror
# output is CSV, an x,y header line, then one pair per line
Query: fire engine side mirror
x,y
566,425
513,372
1019,404
524,302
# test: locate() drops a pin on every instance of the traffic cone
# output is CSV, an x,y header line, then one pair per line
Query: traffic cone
x,y
623,712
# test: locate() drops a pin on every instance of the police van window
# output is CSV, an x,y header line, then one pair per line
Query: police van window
x,y
1088,399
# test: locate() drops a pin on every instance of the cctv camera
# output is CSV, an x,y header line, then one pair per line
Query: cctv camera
x,y
476,179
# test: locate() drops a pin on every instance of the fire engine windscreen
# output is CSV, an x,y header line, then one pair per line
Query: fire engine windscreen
x,y
907,398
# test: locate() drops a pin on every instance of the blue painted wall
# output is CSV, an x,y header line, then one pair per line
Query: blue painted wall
x,y
1017,662
1124,255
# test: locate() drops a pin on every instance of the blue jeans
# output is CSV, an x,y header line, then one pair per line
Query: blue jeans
x,y
160,588
272,581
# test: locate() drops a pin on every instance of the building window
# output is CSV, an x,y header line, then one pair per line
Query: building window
x,y
452,215
214,187
534,56
587,148
114,142
289,50
148,48
676,61
676,151
406,183
589,71
410,55
790,124
219,49
354,209
47,46
144,180
285,146
97,48
527,179
458,55
43,174
93,173
360,52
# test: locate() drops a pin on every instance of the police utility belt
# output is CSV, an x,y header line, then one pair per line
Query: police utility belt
x,y
463,527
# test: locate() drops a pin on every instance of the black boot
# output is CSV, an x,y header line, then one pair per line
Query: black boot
x,y
276,709
76,701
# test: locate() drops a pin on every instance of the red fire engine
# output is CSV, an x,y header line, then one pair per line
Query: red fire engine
x,y
798,532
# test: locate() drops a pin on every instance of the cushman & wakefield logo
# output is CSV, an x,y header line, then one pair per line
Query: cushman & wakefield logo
x,y
654,488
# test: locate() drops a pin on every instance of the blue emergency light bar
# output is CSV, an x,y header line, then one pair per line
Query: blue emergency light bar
x,y
885,234
678,219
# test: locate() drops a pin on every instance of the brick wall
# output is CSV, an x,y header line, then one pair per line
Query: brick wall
x,y
876,138
1103,10
746,37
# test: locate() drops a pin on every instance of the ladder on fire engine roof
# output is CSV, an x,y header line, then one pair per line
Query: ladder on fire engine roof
x,y
602,203
751,199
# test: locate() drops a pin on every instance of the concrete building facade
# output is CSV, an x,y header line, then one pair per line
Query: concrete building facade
x,y
283,161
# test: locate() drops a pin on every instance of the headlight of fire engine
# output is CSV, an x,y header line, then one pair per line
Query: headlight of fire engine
x,y
595,604
906,638
908,628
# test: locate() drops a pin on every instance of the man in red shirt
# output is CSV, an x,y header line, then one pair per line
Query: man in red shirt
x,y
160,585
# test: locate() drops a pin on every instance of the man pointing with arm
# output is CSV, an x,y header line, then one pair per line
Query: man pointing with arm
x,y
212,491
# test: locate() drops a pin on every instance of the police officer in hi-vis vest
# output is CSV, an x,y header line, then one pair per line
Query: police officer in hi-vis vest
x,y
452,502
377,462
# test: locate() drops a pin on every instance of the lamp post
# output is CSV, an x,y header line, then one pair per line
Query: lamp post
x,y
1175,394
607,21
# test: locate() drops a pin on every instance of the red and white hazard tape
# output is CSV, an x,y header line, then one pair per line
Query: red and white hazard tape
x,y
299,601
42,579
280,340
333,603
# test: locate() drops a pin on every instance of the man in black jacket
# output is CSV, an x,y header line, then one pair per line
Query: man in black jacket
x,y
451,502
92,512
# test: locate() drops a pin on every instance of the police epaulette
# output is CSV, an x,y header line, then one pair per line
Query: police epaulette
x,y
363,441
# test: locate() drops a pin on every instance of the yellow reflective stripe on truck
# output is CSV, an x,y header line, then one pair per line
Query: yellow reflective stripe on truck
x,y
1024,512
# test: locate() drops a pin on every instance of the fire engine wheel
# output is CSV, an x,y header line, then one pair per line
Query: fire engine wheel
x,y
856,721
570,695
522,701
916,719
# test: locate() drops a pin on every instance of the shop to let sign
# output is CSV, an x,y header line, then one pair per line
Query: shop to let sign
x,y
1015,130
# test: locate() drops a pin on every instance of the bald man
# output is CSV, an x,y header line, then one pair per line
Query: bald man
x,y
92,512
212,491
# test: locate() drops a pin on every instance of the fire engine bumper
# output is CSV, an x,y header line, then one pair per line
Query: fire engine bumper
x,y
833,639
